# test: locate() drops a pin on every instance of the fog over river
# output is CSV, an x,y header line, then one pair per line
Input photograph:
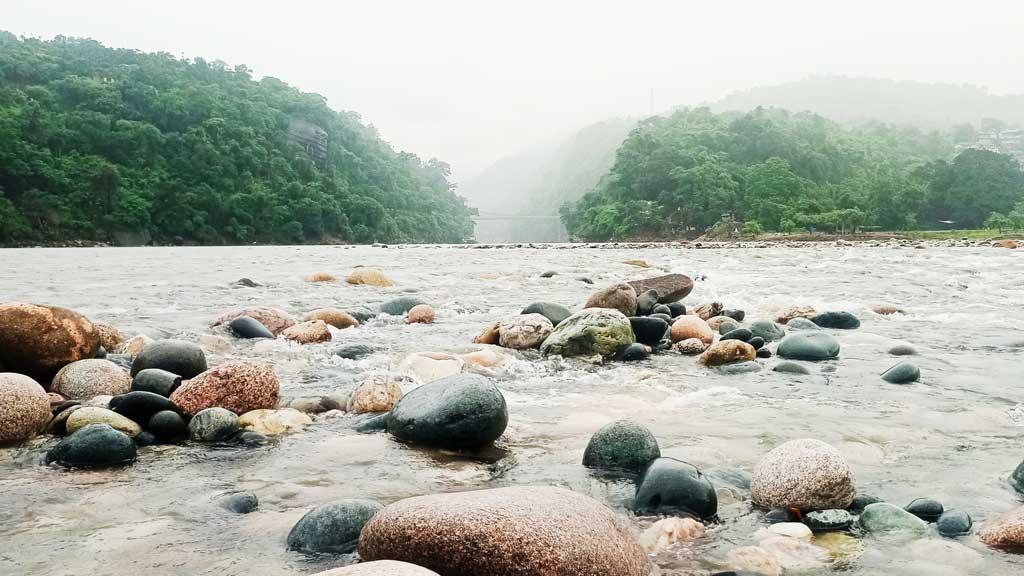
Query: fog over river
x,y
954,436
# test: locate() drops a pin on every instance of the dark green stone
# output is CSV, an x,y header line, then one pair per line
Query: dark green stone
x,y
621,445
332,527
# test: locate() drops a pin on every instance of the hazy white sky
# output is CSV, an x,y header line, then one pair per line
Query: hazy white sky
x,y
469,81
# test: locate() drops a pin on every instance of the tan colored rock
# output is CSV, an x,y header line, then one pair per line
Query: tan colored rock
x,y
669,531
795,554
796,312
887,310
1004,531
24,408
368,277
333,316
275,319
716,322
707,311
429,366
92,377
58,425
134,345
486,358
521,531
420,314
377,393
311,332
239,386
686,326
40,340
637,263
379,568
619,297
110,337
1011,244
489,335
320,277
754,559
690,346
95,415
274,422
727,352
524,331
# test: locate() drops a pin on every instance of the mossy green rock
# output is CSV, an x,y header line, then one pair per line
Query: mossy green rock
x,y
883,519
768,330
809,346
621,445
590,332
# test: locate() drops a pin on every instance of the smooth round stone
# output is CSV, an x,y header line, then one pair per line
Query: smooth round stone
x,y
665,317
828,520
362,314
634,352
249,327
333,527
24,408
954,523
768,330
902,373
763,353
646,302
140,406
926,509
95,415
1017,478
621,445
801,323
167,425
156,381
553,312
95,445
663,309
860,502
741,334
677,308
648,330
728,326
737,315
401,305
240,502
808,346
757,342
462,411
884,519
806,474
790,530
747,367
89,378
903,350
353,351
213,425
787,367
670,486
839,320
182,358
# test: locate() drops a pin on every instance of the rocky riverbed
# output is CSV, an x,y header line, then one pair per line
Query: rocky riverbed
x,y
876,432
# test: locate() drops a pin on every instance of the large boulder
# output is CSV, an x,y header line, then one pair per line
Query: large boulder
x,y
93,446
553,312
590,332
671,287
463,411
175,356
24,408
524,331
686,327
89,378
379,568
806,474
522,530
40,340
619,297
808,346
670,486
621,445
275,319
1004,531
332,527
239,386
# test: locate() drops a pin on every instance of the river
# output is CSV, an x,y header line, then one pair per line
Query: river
x,y
955,436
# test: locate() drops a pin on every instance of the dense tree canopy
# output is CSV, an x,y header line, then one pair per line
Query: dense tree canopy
x,y
95,142
777,171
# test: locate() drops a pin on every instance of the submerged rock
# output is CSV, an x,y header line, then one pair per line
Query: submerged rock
x,y
421,314
368,277
176,356
40,340
275,319
85,379
336,317
903,350
1017,478
621,445
670,287
727,352
400,306
239,386
805,474
524,331
590,332
94,445
240,502
431,366
311,332
333,527
110,337
213,425
840,320
555,313
808,346
249,327
902,373
791,368
883,519
619,297
274,422
522,530
668,531
353,351
635,352
670,486
787,315
24,408
463,411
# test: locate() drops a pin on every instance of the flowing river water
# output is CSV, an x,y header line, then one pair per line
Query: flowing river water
x,y
955,436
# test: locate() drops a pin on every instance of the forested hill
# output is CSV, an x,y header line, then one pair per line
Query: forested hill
x,y
99,143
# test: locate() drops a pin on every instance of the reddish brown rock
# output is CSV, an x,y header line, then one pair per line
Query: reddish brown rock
x,y
690,346
85,379
671,287
110,337
1004,531
491,334
887,310
311,332
24,408
1011,244
727,352
707,311
517,531
237,386
619,297
275,319
420,314
40,340
333,316
685,327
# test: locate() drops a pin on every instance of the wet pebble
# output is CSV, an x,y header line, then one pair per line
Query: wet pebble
x,y
757,342
156,381
635,352
676,308
167,425
249,327
769,331
240,502
860,502
621,445
95,445
925,508
954,523
741,334
903,350
887,520
353,351
182,358
787,367
332,527
213,425
838,320
801,323
828,520
902,373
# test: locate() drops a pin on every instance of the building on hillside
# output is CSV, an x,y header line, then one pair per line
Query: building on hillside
x,y
1009,142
